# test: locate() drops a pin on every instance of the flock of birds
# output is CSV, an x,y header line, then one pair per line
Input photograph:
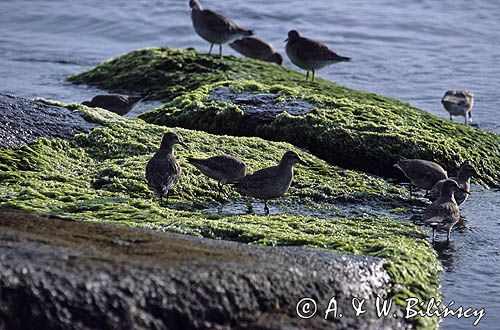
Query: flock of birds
x,y
163,171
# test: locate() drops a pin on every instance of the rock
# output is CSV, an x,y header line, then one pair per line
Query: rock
x,y
99,176
23,120
353,129
58,274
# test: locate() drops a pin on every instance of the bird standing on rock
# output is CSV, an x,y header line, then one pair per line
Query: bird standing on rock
x,y
215,28
163,171
117,103
444,213
459,103
223,168
422,173
272,182
466,172
309,54
256,49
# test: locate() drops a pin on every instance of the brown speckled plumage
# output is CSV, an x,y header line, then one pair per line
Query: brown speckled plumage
x,y
459,103
256,49
214,27
422,173
163,171
222,168
465,173
117,103
310,54
444,213
272,182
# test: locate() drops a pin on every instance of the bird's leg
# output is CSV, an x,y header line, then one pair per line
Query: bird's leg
x,y
448,236
249,207
266,208
220,50
312,75
466,121
210,51
433,234
219,190
451,117
307,75
411,193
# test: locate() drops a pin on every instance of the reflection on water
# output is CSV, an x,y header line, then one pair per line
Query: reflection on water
x,y
411,50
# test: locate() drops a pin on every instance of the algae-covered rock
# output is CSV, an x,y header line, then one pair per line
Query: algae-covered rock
x,y
71,274
99,176
354,129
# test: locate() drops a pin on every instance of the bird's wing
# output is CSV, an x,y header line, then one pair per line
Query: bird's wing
x,y
308,48
435,192
105,101
252,45
256,179
163,172
219,23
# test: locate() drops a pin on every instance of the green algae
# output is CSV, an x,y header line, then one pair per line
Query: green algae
x,y
99,176
353,129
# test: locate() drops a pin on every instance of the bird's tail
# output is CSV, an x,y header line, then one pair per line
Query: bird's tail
x,y
246,33
193,161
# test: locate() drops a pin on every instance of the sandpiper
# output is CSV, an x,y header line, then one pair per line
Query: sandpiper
x,y
163,171
443,213
215,28
459,103
223,168
465,172
422,173
272,182
256,49
117,103
309,54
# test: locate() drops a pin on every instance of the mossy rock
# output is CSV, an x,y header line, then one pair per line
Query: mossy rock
x,y
353,129
99,176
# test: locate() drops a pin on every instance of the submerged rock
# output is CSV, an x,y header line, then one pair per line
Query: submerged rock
x,y
23,120
58,274
353,129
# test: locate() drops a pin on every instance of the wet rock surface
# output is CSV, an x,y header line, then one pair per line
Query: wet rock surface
x,y
259,108
23,120
58,274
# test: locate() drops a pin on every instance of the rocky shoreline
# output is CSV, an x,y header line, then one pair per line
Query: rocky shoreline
x,y
59,274
97,175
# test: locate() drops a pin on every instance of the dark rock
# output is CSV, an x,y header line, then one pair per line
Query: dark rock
x,y
259,108
23,120
57,274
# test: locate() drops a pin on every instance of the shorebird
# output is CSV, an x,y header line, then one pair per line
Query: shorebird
x,y
459,103
465,172
215,28
163,171
443,213
117,103
272,182
223,168
256,49
309,54
422,173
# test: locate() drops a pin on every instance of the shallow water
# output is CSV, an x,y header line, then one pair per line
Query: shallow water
x,y
411,50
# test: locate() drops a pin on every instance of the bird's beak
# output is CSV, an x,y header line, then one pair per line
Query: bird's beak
x,y
286,39
464,191
182,144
